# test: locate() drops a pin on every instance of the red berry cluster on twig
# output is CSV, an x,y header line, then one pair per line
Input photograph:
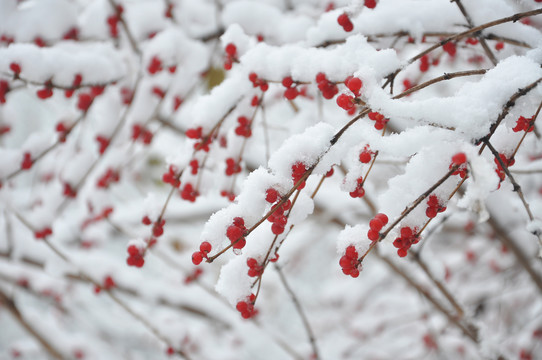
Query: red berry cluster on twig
x,y
244,127
254,268
231,56
408,237
172,177
328,89
189,193
508,162
256,81
366,155
460,160
298,170
135,256
434,206
358,192
140,132
155,65
277,218
246,307
232,167
379,119
204,249
375,225
236,233
524,124
349,262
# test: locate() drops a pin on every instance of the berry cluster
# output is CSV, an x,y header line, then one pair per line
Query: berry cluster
x,y
231,56
254,268
108,284
196,133
135,256
354,84
140,132
4,89
345,22
450,48
246,307
16,68
194,166
204,249
366,155
69,191
346,102
349,262
113,21
358,191
375,225
243,129
63,131
434,206
103,142
232,167
46,92
277,218
291,91
524,124
43,233
228,194
171,177
500,170
77,80
328,89
298,170
155,65
256,81
379,119
189,193
27,161
236,233
460,160
408,237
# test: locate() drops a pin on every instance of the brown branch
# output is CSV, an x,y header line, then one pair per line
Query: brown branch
x,y
10,305
482,40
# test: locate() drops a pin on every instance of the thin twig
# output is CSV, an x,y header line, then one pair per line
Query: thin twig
x,y
299,308
10,305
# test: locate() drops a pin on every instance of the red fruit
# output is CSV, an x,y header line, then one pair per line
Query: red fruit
x,y
354,84
376,225
16,68
158,92
431,212
177,101
450,48
104,143
499,46
239,244
402,252
155,65
277,229
271,195
365,157
197,258
85,100
234,232
459,158
205,247
371,4
287,81
45,93
253,77
194,133
291,93
4,88
424,63
345,101
71,34
373,235
321,77
231,49
345,22
27,161
406,232
382,217
472,41
146,220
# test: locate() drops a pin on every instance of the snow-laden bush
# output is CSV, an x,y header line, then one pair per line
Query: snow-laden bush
x,y
234,179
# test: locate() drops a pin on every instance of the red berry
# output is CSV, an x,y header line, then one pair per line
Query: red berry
x,y
402,252
345,101
373,235
291,93
382,217
205,247
345,22
27,161
365,157
155,65
287,81
197,258
16,68
231,49
85,100
499,46
375,224
354,84
459,158
271,195
371,4
450,48
146,220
